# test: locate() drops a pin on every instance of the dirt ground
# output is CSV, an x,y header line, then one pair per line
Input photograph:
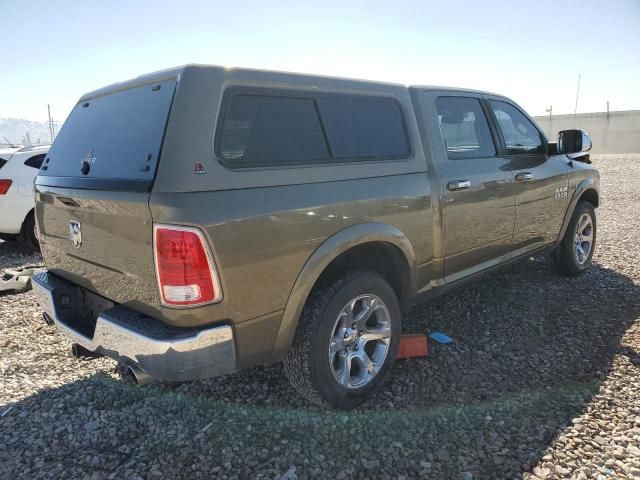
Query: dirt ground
x,y
542,381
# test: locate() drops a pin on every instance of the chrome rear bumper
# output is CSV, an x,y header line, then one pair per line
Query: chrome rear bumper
x,y
164,352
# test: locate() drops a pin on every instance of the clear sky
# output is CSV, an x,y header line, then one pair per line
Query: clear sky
x,y
532,51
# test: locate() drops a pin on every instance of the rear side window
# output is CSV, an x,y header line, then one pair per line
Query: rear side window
x,y
259,129
35,161
2,162
520,135
363,127
464,128
264,130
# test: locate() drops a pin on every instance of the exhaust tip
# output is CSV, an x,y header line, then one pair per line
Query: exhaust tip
x,y
78,351
137,375
47,319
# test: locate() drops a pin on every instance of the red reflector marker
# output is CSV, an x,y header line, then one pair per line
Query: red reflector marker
x,y
4,186
198,168
184,267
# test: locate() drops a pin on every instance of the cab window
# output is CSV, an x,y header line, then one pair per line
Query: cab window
x,y
464,128
519,133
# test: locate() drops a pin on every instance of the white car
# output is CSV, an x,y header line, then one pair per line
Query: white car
x,y
18,168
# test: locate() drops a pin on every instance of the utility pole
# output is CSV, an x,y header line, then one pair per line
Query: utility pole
x,y
575,112
550,110
607,108
52,124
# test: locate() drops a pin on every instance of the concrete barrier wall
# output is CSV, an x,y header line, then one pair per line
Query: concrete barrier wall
x,y
616,132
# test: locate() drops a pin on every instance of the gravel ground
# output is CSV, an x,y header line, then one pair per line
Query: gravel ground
x,y
543,381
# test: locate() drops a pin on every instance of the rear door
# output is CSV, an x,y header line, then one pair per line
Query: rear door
x,y
541,180
92,193
479,201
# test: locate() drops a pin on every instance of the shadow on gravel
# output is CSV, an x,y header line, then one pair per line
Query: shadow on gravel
x,y
632,355
13,254
531,348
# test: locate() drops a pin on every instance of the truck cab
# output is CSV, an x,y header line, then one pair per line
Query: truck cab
x,y
503,188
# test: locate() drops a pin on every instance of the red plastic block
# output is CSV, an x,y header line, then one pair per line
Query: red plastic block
x,y
412,345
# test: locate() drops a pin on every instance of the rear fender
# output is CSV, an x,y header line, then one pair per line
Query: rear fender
x,y
329,250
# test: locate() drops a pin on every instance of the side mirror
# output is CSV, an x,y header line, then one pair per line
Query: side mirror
x,y
573,141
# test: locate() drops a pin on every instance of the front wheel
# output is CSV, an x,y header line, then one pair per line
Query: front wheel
x,y
575,252
346,341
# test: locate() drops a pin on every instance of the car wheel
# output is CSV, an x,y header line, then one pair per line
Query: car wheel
x,y
573,255
346,341
29,236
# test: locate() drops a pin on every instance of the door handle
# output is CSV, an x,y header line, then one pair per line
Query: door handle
x,y
69,202
524,177
458,185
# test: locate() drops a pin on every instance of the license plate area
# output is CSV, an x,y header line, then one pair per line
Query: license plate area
x,y
79,308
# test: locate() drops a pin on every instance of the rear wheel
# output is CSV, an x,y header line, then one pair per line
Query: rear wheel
x,y
28,235
346,342
7,237
575,252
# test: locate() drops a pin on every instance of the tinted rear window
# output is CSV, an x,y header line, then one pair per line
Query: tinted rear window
x,y
272,129
263,129
119,135
35,161
363,128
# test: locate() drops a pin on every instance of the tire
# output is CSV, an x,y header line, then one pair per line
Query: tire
x,y
323,377
567,258
28,238
8,237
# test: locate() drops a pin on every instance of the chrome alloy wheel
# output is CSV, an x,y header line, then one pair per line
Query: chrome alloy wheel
x,y
584,238
360,341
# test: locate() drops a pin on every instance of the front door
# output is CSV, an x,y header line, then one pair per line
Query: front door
x,y
479,201
540,179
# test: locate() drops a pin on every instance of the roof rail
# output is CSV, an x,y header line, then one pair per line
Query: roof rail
x,y
31,148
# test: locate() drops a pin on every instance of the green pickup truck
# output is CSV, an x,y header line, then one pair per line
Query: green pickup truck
x,y
203,220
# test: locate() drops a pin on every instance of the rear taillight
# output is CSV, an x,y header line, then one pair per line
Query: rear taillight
x,y
4,186
184,266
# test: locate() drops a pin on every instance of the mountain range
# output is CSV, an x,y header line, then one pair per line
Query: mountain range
x,y
24,132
